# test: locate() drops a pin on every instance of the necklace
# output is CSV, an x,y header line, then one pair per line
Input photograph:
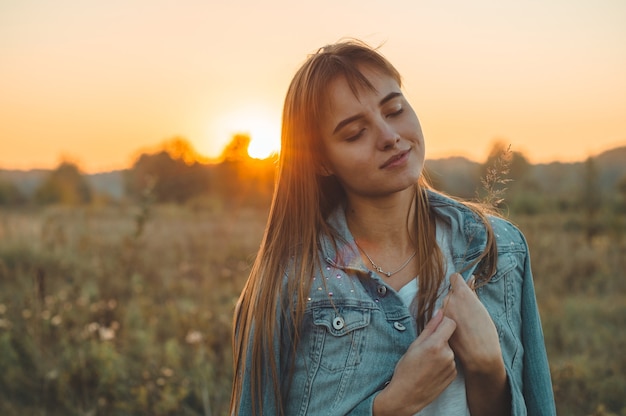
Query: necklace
x,y
379,269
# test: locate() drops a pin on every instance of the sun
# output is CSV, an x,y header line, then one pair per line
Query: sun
x,y
260,124
264,137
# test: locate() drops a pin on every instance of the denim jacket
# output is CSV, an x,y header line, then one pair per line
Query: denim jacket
x,y
356,327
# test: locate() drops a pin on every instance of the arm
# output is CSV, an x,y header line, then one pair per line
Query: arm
x,y
537,389
260,386
250,403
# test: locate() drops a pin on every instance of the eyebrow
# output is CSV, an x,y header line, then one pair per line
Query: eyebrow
x,y
382,102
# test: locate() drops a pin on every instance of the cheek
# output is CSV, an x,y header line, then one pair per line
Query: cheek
x,y
344,159
350,169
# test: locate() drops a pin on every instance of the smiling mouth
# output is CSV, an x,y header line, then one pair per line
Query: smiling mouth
x,y
395,158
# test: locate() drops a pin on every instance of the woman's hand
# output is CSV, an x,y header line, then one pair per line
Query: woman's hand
x,y
422,373
475,343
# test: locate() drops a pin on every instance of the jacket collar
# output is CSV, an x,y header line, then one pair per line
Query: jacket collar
x,y
341,251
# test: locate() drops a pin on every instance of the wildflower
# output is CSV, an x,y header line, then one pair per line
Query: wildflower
x,y
92,327
26,313
106,334
45,315
3,308
56,320
167,372
193,337
4,323
495,179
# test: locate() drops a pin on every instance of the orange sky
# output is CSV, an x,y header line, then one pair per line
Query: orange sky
x,y
97,81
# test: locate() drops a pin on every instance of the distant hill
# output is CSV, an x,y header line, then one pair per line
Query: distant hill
x,y
613,165
456,175
109,183
27,181
566,177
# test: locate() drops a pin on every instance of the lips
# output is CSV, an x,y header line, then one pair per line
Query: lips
x,y
395,158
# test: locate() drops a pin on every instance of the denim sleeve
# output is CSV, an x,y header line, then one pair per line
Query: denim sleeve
x,y
537,384
365,408
267,404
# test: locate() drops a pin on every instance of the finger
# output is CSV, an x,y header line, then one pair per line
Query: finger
x,y
445,329
472,283
458,283
434,322
446,300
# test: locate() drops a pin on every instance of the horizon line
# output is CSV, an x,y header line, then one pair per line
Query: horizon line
x,y
214,161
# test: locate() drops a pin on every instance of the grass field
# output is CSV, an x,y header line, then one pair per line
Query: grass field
x,y
123,311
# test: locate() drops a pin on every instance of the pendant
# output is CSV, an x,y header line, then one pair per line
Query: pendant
x,y
379,270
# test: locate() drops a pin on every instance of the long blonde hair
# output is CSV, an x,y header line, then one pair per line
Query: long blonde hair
x,y
301,202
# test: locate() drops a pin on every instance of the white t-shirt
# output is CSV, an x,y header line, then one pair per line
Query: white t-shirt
x,y
453,400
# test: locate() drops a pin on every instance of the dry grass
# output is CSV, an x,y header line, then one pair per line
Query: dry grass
x,y
94,320
97,319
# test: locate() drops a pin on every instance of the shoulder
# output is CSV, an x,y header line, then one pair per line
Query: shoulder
x,y
508,235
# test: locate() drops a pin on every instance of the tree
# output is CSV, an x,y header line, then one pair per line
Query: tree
x,y
621,190
237,149
172,174
10,195
590,198
64,185
240,179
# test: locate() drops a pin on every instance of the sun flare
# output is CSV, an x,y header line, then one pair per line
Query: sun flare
x,y
260,124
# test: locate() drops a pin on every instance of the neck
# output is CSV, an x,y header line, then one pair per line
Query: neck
x,y
384,224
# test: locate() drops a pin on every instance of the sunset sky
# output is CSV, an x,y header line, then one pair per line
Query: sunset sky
x,y
98,81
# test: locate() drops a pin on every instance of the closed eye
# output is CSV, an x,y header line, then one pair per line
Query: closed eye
x,y
356,136
396,113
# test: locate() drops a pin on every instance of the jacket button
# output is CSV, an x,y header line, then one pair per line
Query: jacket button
x,y
399,326
338,323
382,290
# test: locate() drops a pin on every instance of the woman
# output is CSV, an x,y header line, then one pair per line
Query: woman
x,y
372,293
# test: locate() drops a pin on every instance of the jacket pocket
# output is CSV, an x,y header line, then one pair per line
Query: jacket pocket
x,y
339,337
495,293
501,297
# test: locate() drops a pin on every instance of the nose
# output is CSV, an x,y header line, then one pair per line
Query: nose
x,y
387,136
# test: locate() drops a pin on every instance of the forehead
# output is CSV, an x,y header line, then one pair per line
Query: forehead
x,y
345,95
